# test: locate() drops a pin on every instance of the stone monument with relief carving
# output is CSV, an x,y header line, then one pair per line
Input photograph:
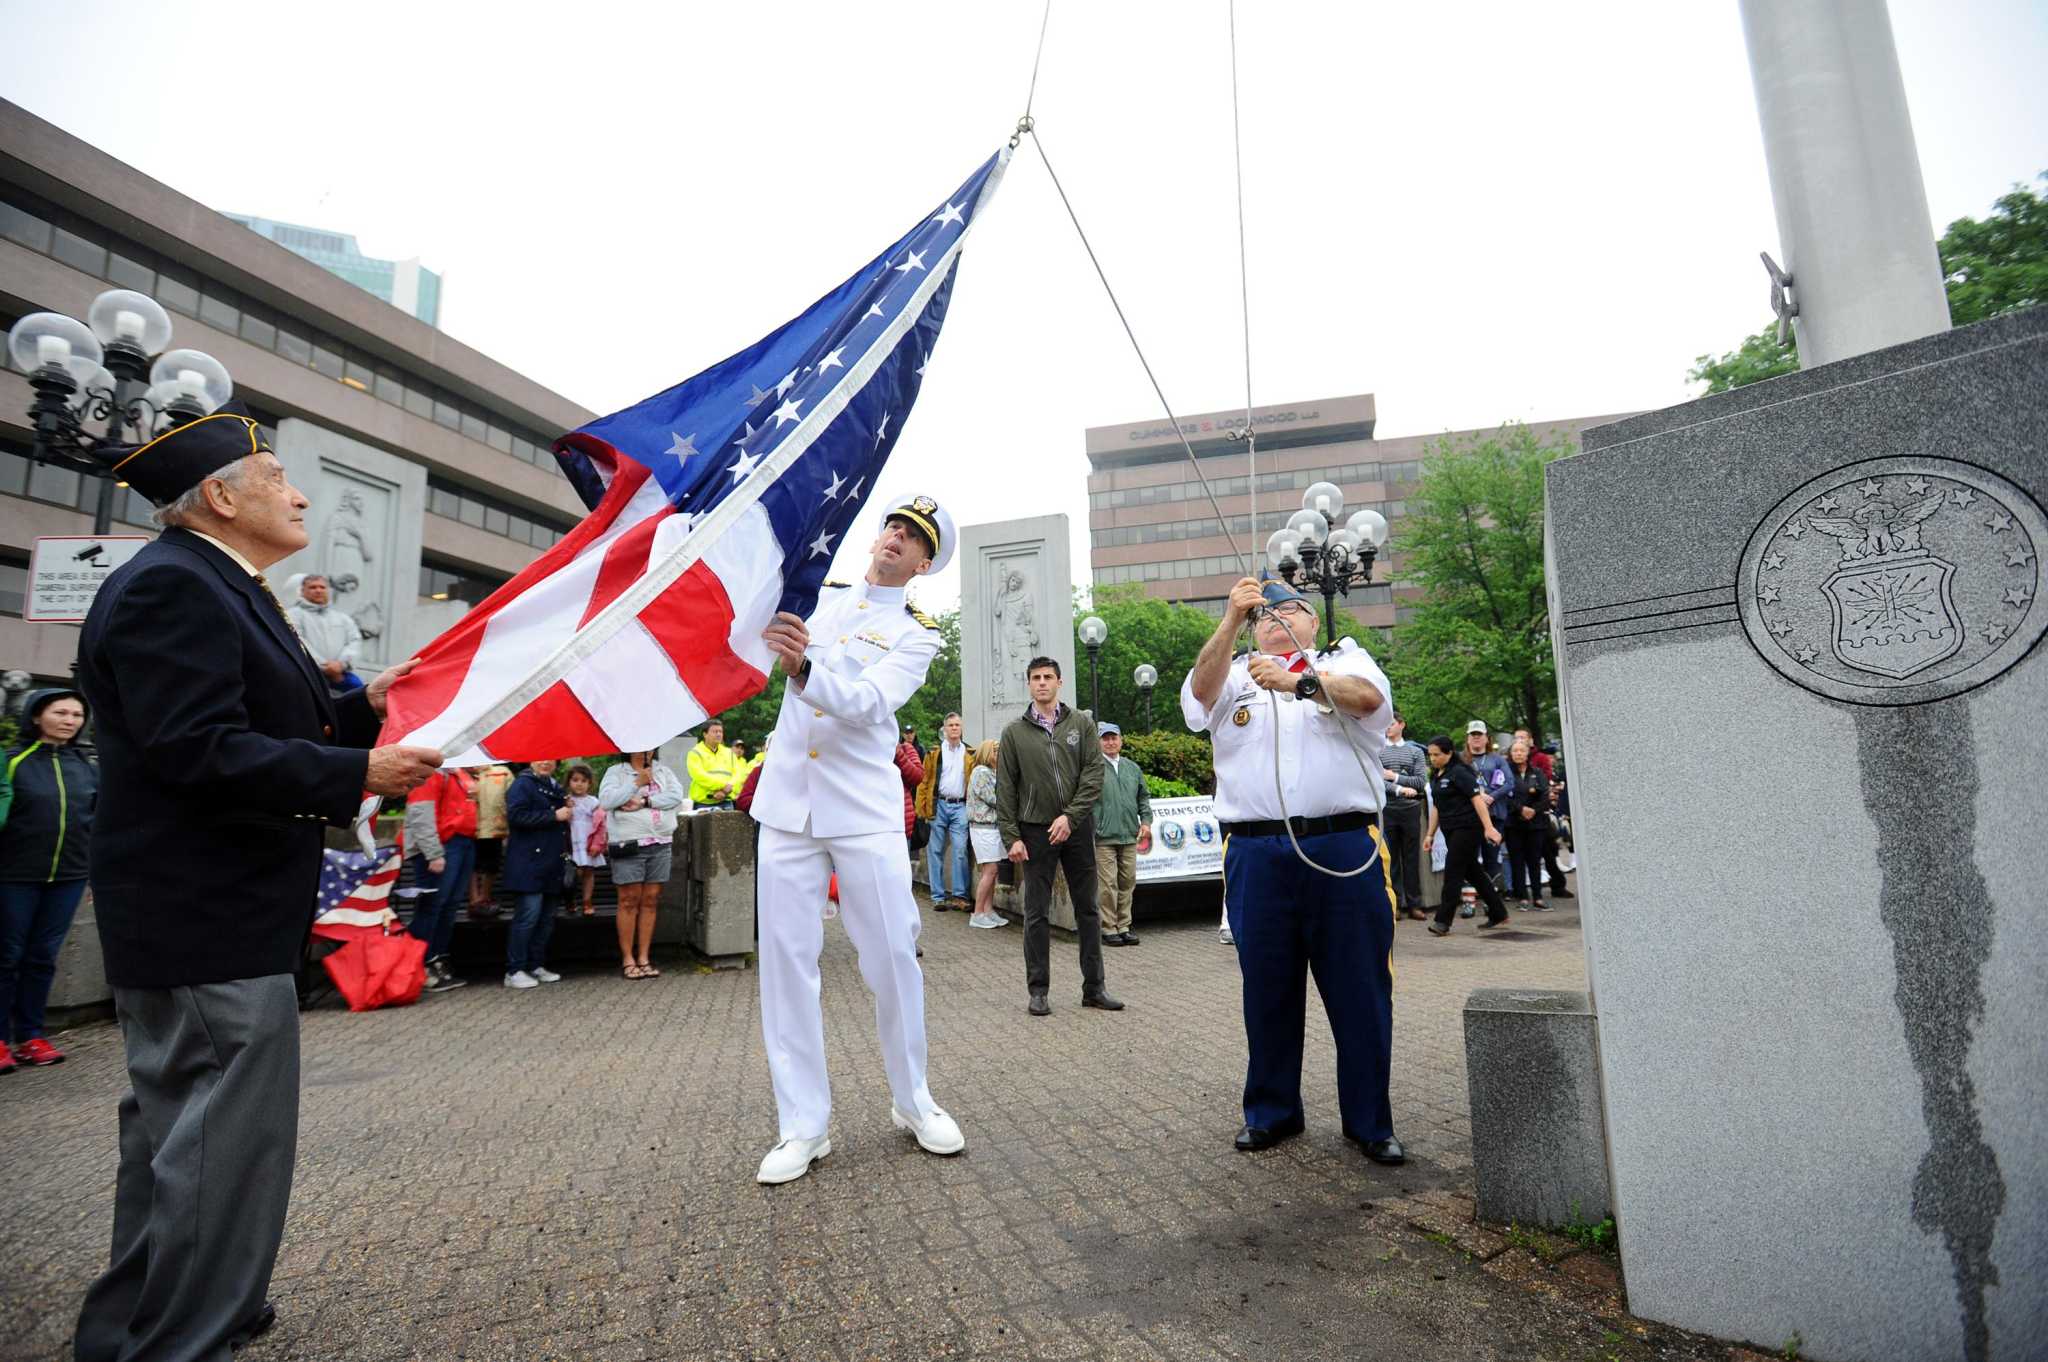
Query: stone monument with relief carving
x,y
1016,603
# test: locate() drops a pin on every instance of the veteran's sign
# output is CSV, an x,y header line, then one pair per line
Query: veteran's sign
x,y
1185,842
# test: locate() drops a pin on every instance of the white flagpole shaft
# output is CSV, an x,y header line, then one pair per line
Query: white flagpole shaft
x,y
1853,225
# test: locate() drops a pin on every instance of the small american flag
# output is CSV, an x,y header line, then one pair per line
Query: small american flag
x,y
355,889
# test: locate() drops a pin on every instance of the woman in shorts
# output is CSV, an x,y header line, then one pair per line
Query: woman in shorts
x,y
639,797
982,837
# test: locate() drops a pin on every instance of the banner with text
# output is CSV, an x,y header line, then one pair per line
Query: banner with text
x,y
1184,843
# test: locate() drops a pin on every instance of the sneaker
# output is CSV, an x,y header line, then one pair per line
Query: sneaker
x,y
38,1052
7,1064
545,975
519,978
792,1159
936,1132
1466,910
988,920
439,980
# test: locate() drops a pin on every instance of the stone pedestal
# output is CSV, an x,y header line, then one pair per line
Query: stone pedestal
x,y
1798,628
1532,1066
711,894
80,988
1016,603
365,520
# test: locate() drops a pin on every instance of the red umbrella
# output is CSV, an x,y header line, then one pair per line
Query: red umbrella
x,y
379,964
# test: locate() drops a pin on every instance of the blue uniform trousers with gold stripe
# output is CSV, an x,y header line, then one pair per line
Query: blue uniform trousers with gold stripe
x,y
1290,919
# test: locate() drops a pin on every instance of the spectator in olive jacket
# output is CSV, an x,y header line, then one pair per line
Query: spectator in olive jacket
x,y
1048,777
1122,814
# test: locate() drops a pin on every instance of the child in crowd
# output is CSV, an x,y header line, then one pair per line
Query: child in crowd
x,y
585,819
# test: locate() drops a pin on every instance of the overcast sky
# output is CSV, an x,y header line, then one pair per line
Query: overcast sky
x,y
1478,212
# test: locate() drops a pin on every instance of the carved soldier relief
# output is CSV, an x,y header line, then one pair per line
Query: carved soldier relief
x,y
1895,581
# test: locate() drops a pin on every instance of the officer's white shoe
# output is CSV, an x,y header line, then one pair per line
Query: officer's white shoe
x,y
937,1133
792,1159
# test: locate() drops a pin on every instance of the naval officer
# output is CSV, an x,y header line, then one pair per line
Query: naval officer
x,y
1287,916
831,801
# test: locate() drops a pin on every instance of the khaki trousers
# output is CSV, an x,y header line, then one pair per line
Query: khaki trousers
x,y
1116,879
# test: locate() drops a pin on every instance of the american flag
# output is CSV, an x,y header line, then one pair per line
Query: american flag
x,y
355,889
714,504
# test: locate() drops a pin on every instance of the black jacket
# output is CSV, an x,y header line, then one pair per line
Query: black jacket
x,y
49,822
221,757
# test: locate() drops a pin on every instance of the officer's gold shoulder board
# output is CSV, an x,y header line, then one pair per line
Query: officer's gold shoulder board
x,y
926,620
835,586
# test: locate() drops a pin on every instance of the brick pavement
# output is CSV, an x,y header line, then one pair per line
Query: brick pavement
x,y
567,1172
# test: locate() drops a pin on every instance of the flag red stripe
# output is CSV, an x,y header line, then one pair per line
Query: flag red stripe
x,y
625,562
557,722
430,686
692,622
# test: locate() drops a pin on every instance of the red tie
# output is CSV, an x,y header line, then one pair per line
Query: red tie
x,y
1300,663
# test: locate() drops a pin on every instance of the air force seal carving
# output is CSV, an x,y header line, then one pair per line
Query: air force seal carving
x,y
1896,581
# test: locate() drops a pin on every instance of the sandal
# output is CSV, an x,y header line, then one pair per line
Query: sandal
x,y
632,972
649,972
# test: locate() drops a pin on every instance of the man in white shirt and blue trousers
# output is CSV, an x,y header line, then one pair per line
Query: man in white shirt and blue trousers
x,y
1335,916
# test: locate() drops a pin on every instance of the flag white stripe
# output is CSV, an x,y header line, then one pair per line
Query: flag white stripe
x,y
541,665
748,560
526,630
631,689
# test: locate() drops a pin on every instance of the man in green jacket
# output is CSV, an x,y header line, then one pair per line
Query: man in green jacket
x,y
1048,777
1122,816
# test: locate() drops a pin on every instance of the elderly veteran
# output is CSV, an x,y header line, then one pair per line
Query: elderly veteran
x,y
1123,815
222,758
1305,886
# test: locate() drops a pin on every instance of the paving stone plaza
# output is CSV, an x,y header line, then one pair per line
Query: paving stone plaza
x,y
568,1173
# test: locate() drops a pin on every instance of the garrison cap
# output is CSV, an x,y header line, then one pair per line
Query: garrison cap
x,y
179,459
1277,591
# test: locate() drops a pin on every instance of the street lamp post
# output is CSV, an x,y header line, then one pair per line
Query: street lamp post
x,y
1308,554
94,371
1093,632
1145,678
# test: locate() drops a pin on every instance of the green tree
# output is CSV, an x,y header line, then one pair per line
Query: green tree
x,y
1992,267
1142,628
1478,642
754,719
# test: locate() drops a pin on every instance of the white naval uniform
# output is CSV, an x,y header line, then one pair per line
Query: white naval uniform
x,y
1319,774
830,799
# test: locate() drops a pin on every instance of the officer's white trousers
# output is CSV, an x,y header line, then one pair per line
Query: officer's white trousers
x,y
880,914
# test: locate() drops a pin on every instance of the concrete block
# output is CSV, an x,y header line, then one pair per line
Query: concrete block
x,y
1532,1063
718,910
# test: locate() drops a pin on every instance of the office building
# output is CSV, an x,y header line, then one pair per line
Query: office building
x,y
402,283
1150,521
428,464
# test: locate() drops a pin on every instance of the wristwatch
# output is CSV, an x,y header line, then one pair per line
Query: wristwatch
x,y
803,673
1307,687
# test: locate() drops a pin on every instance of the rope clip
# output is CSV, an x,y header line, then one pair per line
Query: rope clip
x,y
1024,125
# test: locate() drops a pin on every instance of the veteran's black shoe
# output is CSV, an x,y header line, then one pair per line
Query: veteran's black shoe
x,y
255,1328
1251,1139
1129,939
1038,1006
1388,1150
1113,939
1103,1001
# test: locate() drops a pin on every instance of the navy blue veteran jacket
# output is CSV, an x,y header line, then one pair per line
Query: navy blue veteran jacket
x,y
222,757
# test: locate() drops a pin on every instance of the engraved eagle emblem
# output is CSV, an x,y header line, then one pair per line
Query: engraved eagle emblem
x,y
1878,528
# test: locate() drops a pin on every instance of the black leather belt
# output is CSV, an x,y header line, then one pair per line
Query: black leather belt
x,y
944,800
1303,827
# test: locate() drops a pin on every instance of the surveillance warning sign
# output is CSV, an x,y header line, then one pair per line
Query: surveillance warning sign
x,y
65,572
